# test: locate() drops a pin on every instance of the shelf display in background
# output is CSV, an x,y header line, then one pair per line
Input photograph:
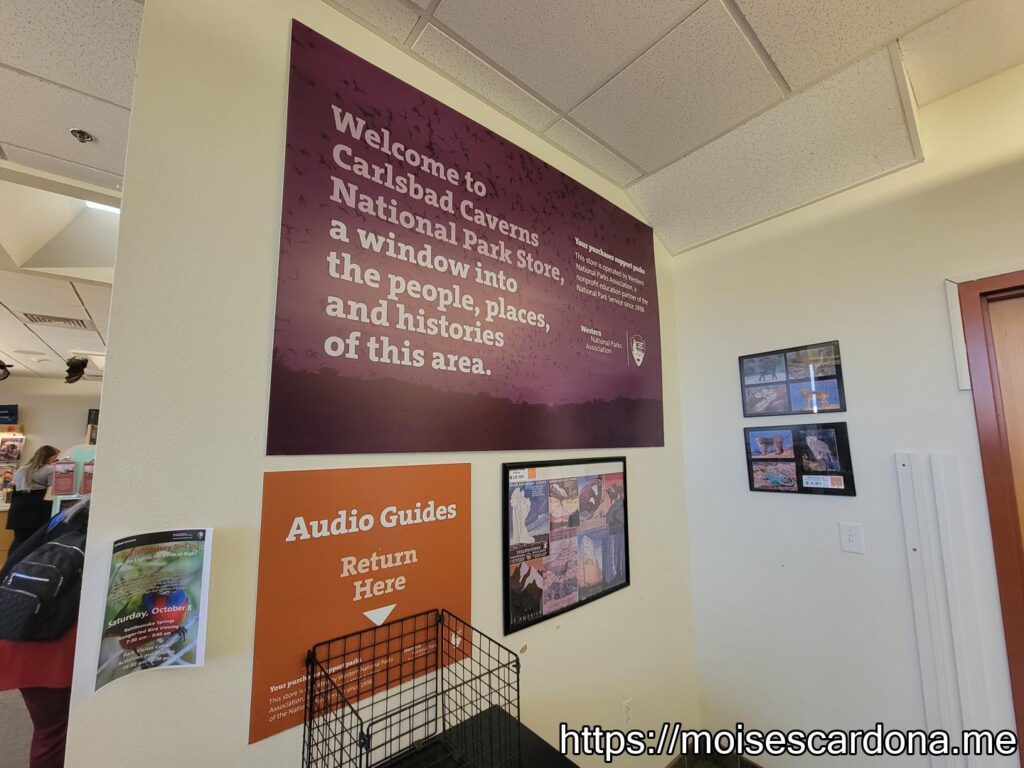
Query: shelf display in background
x,y
64,472
11,446
156,609
565,536
92,426
795,380
800,458
87,471
442,289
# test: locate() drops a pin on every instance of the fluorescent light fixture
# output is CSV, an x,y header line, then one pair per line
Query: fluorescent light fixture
x,y
101,207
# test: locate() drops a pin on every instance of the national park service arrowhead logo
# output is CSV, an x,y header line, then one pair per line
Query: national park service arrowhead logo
x,y
637,346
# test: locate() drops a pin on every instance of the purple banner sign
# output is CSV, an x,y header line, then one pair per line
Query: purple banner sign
x,y
440,289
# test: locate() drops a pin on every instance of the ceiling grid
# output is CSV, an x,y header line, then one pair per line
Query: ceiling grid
x,y
641,92
638,94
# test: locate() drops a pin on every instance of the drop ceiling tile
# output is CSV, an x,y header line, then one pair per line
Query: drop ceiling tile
x,y
68,342
62,167
807,39
29,367
96,299
696,83
964,46
391,17
23,293
38,115
562,49
591,152
842,131
470,70
89,46
16,340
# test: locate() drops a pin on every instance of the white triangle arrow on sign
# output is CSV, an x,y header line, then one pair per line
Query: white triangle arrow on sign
x,y
379,615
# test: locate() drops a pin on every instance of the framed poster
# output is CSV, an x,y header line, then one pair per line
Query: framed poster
x,y
565,536
8,414
800,458
807,379
342,550
441,289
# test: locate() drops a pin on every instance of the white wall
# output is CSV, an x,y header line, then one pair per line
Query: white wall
x,y
196,272
51,412
792,632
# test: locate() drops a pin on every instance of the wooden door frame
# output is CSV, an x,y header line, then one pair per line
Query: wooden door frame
x,y
1007,543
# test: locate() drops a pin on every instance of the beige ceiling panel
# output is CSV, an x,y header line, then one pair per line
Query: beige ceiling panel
x,y
563,50
391,17
96,299
62,167
465,67
29,367
89,46
90,241
807,39
98,274
841,132
696,83
40,295
39,116
68,343
30,218
592,153
970,43
20,346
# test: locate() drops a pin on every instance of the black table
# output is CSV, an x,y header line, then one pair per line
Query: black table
x,y
482,741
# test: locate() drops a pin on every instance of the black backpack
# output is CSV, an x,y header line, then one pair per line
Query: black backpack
x,y
39,594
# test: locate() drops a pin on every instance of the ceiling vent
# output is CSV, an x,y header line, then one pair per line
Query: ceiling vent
x,y
50,321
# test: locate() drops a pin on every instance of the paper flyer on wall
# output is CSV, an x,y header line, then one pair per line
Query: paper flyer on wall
x,y
156,606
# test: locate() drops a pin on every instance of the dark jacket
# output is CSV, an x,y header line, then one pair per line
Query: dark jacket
x,y
29,511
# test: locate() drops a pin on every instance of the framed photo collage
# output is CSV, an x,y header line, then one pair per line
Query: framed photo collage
x,y
796,458
565,536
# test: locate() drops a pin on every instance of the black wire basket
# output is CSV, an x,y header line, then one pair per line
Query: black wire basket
x,y
427,690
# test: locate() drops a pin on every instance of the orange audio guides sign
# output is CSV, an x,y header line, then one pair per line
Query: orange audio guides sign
x,y
342,550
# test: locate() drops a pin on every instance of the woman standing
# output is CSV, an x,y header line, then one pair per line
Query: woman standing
x,y
29,508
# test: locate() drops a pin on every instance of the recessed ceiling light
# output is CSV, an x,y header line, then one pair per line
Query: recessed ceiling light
x,y
82,135
101,207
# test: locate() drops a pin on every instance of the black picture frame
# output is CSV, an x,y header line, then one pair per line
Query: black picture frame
x,y
772,382
800,459
518,476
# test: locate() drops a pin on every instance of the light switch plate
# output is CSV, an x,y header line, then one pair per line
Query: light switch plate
x,y
851,538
